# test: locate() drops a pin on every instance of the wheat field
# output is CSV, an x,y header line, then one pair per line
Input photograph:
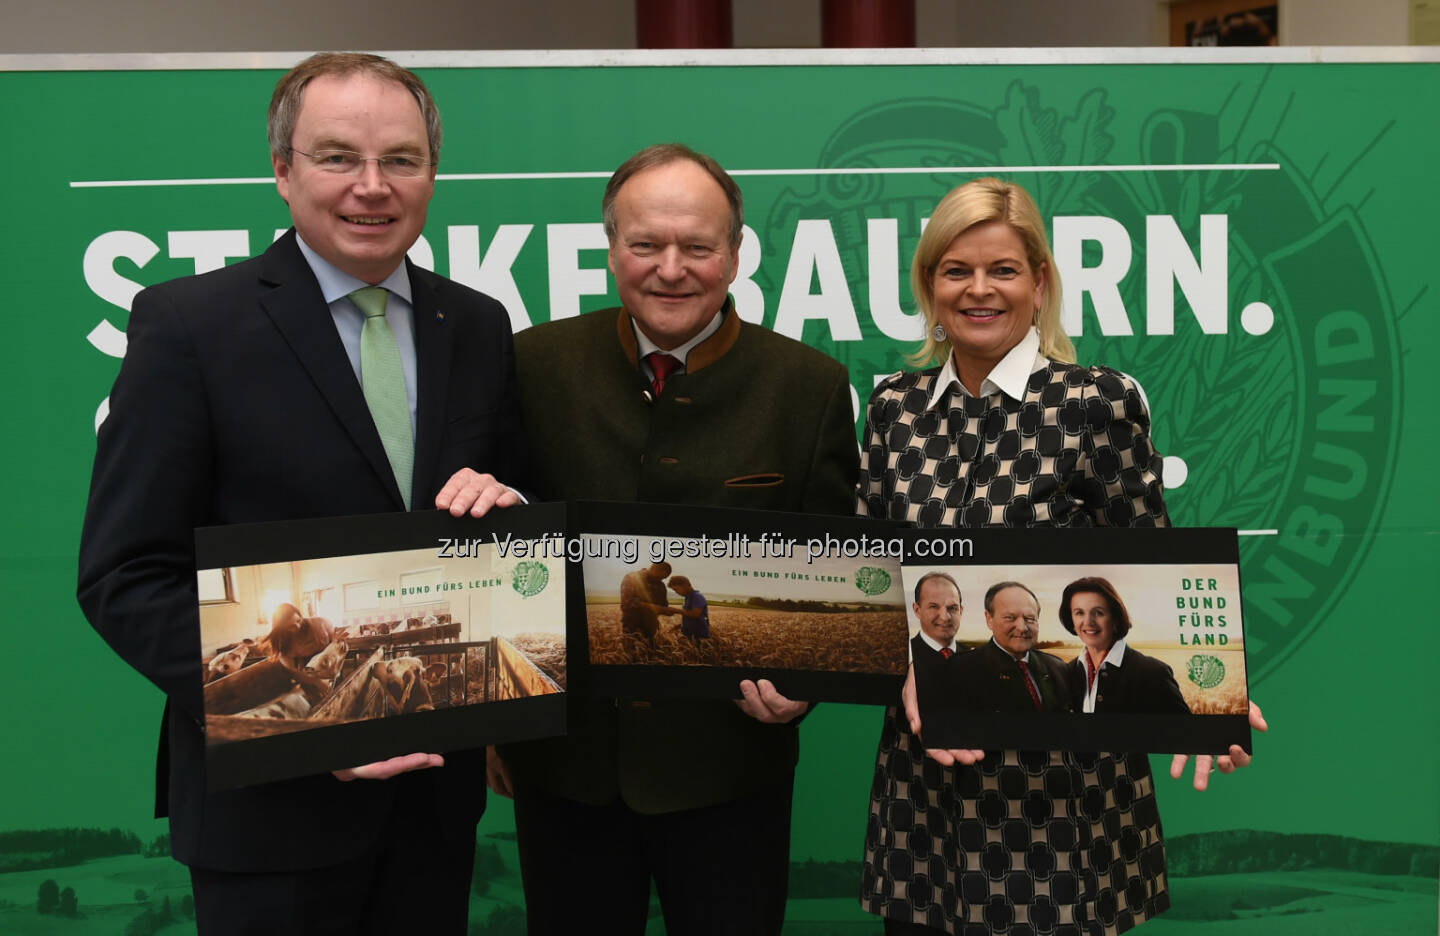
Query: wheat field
x,y
845,642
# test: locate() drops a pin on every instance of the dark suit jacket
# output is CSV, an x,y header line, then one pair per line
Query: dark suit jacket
x,y
236,403
990,681
936,685
757,420
1140,685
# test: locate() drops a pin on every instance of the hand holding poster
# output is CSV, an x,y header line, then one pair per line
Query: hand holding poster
x,y
331,643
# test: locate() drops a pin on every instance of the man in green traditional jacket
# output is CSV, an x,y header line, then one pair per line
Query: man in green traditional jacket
x,y
671,398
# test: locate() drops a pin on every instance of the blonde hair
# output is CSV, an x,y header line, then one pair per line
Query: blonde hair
x,y
963,207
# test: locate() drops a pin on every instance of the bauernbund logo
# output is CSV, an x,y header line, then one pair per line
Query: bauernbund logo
x,y
872,581
530,578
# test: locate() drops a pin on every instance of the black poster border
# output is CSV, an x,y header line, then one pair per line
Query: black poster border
x,y
323,749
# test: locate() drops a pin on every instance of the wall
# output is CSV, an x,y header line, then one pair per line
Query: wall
x,y
272,25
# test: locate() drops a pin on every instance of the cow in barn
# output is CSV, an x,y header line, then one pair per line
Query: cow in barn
x,y
327,663
294,638
223,664
403,682
293,704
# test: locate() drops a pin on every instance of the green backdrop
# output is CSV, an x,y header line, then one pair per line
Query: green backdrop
x,y
1288,382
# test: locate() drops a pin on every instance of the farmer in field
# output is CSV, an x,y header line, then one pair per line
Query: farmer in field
x,y
642,600
695,614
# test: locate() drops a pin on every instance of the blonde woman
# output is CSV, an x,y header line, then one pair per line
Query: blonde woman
x,y
1003,428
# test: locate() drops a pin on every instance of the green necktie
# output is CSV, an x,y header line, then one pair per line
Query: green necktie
x,y
383,380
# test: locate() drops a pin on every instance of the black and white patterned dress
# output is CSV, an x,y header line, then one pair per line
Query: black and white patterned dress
x,y
1025,842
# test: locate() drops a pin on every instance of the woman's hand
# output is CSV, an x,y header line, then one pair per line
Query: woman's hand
x,y
949,757
1205,764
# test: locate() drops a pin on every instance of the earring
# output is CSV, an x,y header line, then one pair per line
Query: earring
x,y
938,333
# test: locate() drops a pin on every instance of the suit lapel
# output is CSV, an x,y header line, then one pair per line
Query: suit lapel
x,y
298,310
434,354
1009,682
1049,694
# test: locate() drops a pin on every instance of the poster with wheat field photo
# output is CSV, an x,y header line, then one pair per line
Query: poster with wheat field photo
x,y
688,602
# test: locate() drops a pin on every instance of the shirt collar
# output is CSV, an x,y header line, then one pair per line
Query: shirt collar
x,y
1010,376
645,346
1115,657
335,283
934,644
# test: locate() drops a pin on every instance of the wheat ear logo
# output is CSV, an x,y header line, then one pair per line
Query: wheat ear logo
x,y
872,581
530,578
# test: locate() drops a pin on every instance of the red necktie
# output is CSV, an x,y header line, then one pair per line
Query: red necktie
x,y
1025,672
662,365
946,652
1090,671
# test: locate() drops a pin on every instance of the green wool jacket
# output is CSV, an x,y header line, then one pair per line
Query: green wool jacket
x,y
757,421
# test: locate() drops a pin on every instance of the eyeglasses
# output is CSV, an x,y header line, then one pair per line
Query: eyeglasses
x,y
345,162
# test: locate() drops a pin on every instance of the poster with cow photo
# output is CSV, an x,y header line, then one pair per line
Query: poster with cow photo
x,y
685,602
1081,640
332,643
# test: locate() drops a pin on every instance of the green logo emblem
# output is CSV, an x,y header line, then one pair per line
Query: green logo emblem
x,y
872,581
530,578
1205,671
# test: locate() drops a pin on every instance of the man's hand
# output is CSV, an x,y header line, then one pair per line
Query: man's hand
x,y
468,491
948,757
497,775
1225,763
384,770
762,703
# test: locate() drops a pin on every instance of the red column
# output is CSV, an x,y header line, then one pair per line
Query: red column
x,y
867,24
685,24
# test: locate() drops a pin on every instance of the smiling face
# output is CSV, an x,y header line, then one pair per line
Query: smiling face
x,y
1014,619
671,253
361,223
1093,621
986,294
939,610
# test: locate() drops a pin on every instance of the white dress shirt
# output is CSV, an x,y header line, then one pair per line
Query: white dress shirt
x,y
1115,657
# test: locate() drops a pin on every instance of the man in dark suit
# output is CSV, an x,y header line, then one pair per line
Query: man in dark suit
x,y
273,390
672,398
1008,674
933,650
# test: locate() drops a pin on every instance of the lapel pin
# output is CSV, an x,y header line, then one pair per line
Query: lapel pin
x,y
439,316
